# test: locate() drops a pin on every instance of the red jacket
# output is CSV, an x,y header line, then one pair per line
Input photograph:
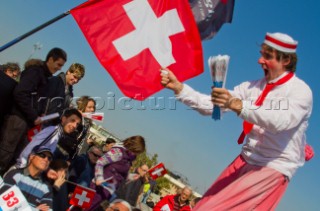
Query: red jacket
x,y
167,203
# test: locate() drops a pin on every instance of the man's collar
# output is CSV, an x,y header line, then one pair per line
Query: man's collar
x,y
27,173
281,76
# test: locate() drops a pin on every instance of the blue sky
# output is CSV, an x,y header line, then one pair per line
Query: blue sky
x,y
187,142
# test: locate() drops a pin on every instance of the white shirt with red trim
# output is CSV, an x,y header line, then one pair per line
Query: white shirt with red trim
x,y
278,138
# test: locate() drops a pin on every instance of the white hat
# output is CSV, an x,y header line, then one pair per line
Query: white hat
x,y
281,42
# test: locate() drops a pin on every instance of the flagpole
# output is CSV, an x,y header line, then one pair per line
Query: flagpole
x,y
70,208
75,184
18,39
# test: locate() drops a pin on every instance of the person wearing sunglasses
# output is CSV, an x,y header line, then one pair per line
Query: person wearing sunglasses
x,y
30,180
81,170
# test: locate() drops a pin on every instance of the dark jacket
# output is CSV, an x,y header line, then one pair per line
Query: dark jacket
x,y
7,86
130,191
30,90
81,171
59,97
118,170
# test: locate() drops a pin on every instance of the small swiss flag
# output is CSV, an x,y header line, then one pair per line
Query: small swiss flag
x,y
157,171
94,116
82,197
33,131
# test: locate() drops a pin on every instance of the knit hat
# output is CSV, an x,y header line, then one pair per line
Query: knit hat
x,y
281,42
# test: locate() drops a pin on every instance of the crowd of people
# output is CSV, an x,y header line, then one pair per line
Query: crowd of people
x,y
58,155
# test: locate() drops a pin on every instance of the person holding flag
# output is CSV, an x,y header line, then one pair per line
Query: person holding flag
x,y
85,104
25,113
275,110
113,168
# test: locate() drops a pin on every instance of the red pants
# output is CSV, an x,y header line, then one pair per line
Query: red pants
x,y
242,186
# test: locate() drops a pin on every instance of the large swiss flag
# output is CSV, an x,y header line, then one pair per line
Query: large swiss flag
x,y
132,39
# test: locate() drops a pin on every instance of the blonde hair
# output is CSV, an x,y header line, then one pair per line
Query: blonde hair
x,y
77,69
83,101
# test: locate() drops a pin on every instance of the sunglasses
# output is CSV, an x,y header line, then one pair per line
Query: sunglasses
x,y
43,155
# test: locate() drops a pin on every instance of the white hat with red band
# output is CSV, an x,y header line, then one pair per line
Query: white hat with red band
x,y
281,42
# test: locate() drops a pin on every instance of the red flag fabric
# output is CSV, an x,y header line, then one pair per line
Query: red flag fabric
x,y
309,152
133,39
33,131
210,15
82,197
94,116
157,171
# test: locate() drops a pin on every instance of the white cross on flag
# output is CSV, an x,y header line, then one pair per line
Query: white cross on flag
x,y
82,197
157,171
132,39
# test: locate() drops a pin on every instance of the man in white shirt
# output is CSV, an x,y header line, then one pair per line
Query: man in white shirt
x,y
275,110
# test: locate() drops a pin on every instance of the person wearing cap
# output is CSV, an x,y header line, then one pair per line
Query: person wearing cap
x,y
30,180
25,113
275,110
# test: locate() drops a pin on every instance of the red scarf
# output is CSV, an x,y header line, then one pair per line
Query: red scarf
x,y
247,126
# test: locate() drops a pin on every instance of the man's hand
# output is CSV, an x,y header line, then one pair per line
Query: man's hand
x,y
37,121
222,98
60,180
99,182
170,81
43,207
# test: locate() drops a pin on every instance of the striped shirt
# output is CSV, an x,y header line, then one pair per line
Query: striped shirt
x,y
35,190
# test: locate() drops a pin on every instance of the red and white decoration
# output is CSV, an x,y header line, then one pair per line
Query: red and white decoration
x,y
281,42
13,199
82,197
94,116
133,39
157,171
33,131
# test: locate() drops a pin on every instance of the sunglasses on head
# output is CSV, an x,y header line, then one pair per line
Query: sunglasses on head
x,y
43,155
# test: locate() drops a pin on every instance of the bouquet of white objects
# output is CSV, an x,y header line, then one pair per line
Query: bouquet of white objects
x,y
218,66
